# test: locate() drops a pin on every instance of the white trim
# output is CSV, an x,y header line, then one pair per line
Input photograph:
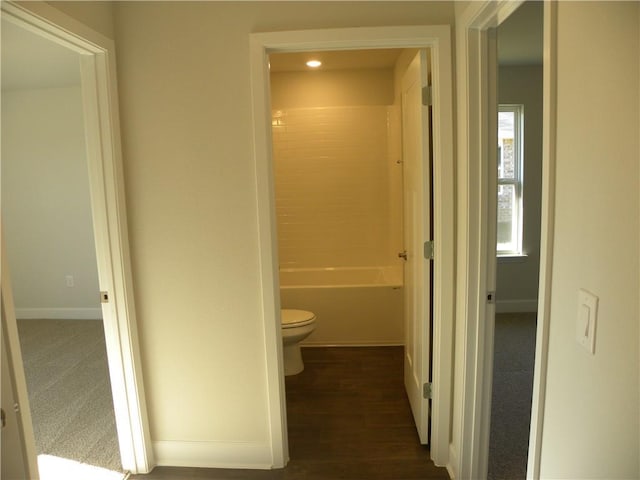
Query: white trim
x,y
517,306
59,313
438,38
517,182
102,130
489,231
213,454
546,242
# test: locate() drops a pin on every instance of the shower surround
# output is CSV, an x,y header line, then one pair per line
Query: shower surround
x,y
338,190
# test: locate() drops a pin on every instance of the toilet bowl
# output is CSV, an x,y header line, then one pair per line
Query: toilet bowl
x,y
296,326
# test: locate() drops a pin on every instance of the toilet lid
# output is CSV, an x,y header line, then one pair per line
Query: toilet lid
x,y
296,318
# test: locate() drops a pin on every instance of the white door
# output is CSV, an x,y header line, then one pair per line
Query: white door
x,y
18,450
417,197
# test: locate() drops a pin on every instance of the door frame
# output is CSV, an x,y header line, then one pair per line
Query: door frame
x,y
106,182
476,70
438,39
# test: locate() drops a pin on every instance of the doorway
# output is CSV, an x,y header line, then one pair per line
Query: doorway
x,y
90,53
350,143
48,235
436,38
478,47
50,252
519,43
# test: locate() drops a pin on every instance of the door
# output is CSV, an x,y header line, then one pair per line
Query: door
x,y
417,199
12,459
18,450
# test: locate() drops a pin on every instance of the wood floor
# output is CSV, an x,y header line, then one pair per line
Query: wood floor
x,y
348,419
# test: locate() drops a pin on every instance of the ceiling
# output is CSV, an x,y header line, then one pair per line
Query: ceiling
x,y
30,61
335,60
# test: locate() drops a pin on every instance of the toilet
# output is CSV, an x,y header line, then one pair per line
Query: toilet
x,y
296,326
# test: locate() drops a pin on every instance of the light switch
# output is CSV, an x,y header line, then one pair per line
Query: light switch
x,y
587,319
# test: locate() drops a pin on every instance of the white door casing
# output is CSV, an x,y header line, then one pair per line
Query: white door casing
x,y
476,313
417,199
102,135
438,40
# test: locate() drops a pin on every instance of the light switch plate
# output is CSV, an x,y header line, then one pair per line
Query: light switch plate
x,y
586,321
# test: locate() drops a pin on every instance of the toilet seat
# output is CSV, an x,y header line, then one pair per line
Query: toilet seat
x,y
296,318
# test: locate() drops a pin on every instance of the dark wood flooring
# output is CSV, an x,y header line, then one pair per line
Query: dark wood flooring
x,y
348,418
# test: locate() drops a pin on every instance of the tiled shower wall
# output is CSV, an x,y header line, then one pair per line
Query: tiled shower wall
x,y
337,186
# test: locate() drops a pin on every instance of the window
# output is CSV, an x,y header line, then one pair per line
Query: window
x,y
510,133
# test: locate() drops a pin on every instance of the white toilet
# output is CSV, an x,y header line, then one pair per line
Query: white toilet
x,y
296,326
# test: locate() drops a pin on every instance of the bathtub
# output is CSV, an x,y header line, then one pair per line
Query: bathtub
x,y
353,305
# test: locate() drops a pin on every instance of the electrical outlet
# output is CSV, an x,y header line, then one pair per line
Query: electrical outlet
x,y
586,321
69,280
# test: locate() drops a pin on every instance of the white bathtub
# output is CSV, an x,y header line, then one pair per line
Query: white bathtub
x,y
353,306
341,277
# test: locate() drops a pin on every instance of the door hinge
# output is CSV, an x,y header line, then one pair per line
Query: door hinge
x,y
491,297
427,99
428,250
426,390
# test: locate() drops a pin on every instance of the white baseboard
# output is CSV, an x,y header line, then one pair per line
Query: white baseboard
x,y
516,306
250,455
59,313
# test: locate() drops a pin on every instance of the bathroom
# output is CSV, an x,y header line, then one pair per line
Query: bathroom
x,y
337,165
349,164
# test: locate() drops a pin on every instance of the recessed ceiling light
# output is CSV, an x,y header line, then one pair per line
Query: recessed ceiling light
x,y
314,63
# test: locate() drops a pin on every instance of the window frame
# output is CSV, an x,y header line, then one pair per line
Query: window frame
x,y
514,248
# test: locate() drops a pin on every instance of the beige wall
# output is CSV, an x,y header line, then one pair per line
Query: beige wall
x,y
591,412
190,183
517,281
46,206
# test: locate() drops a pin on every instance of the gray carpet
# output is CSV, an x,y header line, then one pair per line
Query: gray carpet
x,y
69,390
515,340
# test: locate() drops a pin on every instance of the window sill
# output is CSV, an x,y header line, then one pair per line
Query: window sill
x,y
512,258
